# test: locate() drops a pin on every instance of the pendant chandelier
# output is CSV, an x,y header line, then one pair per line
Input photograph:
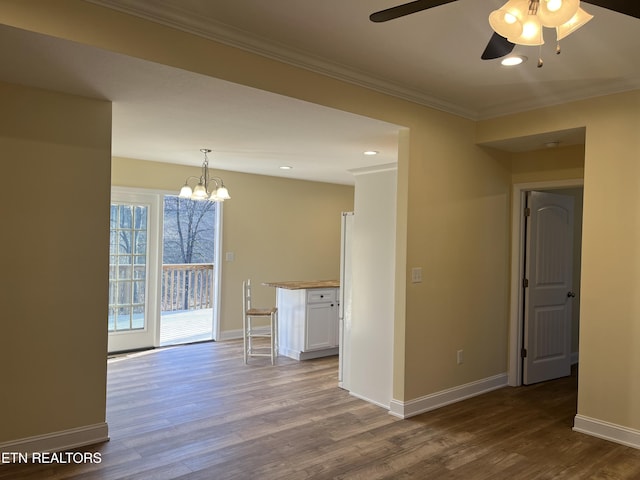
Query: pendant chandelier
x,y
208,187
522,21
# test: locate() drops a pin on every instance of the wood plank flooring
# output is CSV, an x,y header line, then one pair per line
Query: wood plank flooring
x,y
197,413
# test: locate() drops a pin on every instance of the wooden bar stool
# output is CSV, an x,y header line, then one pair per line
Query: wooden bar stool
x,y
250,331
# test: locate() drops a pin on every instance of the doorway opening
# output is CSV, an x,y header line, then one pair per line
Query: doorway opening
x,y
518,262
189,238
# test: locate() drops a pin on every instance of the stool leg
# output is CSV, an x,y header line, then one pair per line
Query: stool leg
x,y
244,338
249,337
272,326
275,334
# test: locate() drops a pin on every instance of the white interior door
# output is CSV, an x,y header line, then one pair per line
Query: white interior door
x,y
133,271
548,287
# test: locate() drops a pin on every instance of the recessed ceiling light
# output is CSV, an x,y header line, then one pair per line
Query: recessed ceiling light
x,y
371,152
286,167
513,60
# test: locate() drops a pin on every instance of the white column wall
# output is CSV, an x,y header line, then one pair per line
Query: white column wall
x,y
373,271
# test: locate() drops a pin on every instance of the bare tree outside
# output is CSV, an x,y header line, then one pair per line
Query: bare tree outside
x,y
189,230
189,238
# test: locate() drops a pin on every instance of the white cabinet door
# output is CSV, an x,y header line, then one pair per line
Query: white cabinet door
x,y
321,326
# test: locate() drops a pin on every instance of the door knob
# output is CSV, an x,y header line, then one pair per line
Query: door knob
x,y
571,294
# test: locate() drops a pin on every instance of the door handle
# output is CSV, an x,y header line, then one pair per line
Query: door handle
x,y
571,294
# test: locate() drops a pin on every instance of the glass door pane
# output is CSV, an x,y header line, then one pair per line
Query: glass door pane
x,y
131,317
128,266
188,273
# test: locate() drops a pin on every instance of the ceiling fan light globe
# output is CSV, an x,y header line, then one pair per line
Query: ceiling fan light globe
x,y
531,33
505,25
553,13
507,20
578,20
554,5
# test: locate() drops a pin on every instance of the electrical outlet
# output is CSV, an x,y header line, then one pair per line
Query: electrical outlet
x,y
460,356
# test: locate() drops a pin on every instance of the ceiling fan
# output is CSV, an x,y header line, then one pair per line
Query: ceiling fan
x,y
498,45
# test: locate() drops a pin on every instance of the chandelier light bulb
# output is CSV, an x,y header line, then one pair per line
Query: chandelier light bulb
x,y
222,193
185,191
199,193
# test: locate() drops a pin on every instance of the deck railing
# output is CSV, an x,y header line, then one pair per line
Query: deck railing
x,y
187,286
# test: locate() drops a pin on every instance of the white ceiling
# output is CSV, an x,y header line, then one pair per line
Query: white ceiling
x,y
431,57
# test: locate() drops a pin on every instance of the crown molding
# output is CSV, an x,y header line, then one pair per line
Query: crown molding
x,y
387,167
175,17
575,94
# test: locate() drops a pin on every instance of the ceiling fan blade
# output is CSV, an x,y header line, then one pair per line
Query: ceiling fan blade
x,y
406,9
626,7
497,47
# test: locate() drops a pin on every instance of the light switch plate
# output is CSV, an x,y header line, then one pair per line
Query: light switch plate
x,y
416,275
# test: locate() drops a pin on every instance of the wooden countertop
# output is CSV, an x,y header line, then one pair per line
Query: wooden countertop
x,y
304,284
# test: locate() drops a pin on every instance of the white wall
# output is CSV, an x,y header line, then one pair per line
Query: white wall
x,y
372,311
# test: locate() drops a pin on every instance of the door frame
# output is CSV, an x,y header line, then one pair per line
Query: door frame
x,y
516,317
217,273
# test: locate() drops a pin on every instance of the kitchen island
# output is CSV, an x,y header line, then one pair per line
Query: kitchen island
x,y
307,318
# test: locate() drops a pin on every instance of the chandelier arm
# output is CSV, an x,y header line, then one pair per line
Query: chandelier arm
x,y
191,177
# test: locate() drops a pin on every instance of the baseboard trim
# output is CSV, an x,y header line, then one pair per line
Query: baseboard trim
x,y
324,352
445,397
231,334
607,431
59,441
287,352
361,397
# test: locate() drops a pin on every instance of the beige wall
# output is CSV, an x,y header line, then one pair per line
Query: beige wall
x,y
56,154
564,163
455,224
456,220
610,303
278,229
